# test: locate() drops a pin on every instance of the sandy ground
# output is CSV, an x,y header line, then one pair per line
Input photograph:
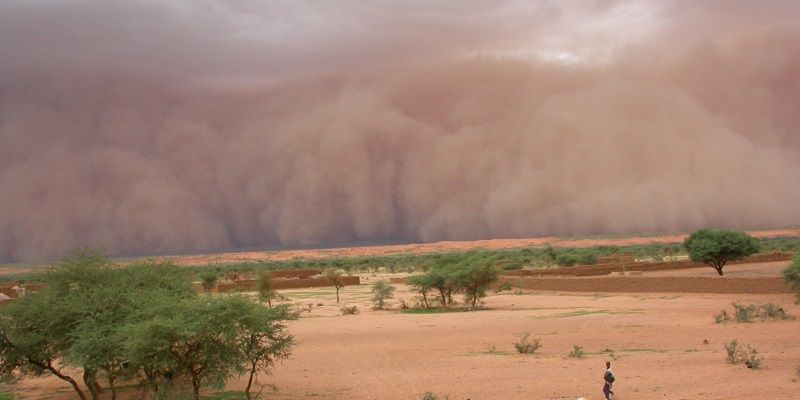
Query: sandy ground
x,y
656,339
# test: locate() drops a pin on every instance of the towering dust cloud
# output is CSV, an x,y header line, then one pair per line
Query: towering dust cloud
x,y
174,127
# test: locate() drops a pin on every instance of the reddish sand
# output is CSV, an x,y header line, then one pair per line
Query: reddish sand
x,y
656,338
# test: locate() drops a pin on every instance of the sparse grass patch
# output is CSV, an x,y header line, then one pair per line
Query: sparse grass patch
x,y
439,310
221,396
349,310
526,345
577,352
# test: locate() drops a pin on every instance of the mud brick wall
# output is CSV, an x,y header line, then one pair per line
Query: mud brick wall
x,y
671,284
250,284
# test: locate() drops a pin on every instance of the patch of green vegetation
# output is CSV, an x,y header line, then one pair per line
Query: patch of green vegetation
x,y
6,396
642,351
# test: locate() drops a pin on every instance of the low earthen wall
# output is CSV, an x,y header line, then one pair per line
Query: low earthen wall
x,y
250,284
641,284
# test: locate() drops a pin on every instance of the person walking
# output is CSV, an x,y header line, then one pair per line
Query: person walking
x,y
608,378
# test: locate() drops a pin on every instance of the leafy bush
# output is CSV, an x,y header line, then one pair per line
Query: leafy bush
x,y
737,353
744,313
527,346
512,266
208,279
429,396
349,310
567,259
792,275
577,352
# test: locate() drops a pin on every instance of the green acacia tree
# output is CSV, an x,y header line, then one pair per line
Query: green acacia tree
x,y
334,276
194,339
381,291
421,284
718,247
475,280
263,338
265,288
34,333
141,321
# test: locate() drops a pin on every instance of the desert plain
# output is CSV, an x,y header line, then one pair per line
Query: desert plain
x,y
662,345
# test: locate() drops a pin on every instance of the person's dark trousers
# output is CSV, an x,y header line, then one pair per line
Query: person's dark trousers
x,y
607,391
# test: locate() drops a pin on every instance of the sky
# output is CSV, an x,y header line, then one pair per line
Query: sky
x,y
154,127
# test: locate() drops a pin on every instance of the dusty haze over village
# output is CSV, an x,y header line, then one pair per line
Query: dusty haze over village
x,y
160,126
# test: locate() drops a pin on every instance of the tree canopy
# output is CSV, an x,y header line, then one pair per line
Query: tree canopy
x,y
718,247
142,322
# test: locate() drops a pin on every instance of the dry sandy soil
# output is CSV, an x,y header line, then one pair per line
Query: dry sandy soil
x,y
657,342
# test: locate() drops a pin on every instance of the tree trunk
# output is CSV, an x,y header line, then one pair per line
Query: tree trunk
x,y
337,294
195,387
425,299
111,379
68,379
250,381
718,267
90,380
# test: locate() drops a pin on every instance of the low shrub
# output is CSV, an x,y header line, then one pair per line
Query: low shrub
x,y
504,286
512,267
429,396
723,316
737,353
577,352
767,311
526,345
349,310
